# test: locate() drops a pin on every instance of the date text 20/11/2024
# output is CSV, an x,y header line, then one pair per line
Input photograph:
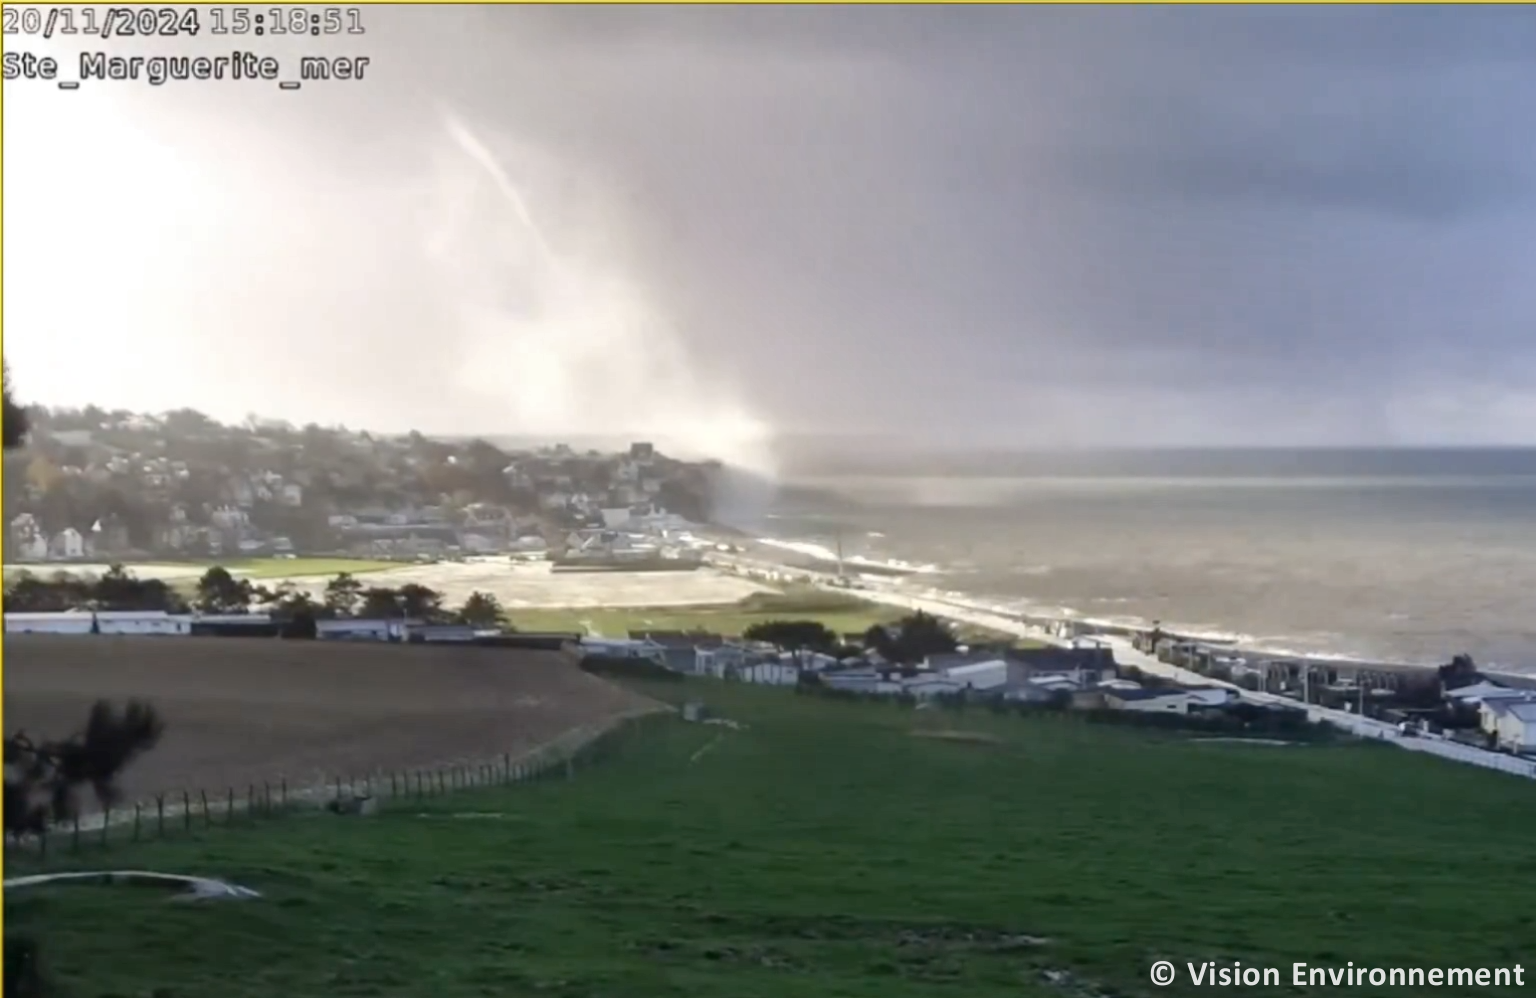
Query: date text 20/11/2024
x,y
170,22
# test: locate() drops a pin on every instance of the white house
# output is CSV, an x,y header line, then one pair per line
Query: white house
x,y
625,648
1480,692
361,630
769,673
987,675
1511,722
1149,701
928,687
1210,696
142,622
73,622
720,660
67,543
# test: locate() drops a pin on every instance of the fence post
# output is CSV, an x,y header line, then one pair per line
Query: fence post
x,y
138,814
186,810
160,813
266,797
42,842
74,842
250,801
207,817
106,823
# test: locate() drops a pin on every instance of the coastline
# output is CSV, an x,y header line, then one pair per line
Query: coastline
x,y
902,585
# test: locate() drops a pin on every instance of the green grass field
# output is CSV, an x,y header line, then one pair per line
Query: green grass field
x,y
251,568
843,614
825,851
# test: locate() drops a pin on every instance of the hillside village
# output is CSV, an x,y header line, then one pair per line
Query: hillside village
x,y
106,486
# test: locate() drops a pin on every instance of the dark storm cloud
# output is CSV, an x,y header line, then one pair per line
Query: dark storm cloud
x,y
1011,223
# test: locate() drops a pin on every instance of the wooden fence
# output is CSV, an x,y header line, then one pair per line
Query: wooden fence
x,y
185,812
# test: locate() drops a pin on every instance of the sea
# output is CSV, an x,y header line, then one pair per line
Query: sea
x,y
1384,555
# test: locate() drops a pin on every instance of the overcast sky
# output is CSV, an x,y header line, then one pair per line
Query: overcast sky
x,y
990,225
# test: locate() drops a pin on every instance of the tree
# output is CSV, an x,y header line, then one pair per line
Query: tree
x,y
917,636
297,611
343,595
15,417
482,610
43,780
379,602
420,602
220,592
794,635
1461,671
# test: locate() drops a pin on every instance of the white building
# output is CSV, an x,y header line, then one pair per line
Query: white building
x,y
1511,722
67,543
928,687
624,648
979,675
1484,691
1149,701
74,622
361,630
770,673
102,622
142,622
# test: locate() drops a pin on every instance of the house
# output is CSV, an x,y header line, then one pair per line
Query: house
x,y
1206,697
722,660
1041,689
990,675
28,542
1511,723
680,648
769,673
1480,692
435,633
68,543
1148,701
71,622
353,629
927,687
624,648
142,622
1086,666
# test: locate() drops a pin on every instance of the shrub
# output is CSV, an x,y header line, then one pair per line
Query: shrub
x,y
625,667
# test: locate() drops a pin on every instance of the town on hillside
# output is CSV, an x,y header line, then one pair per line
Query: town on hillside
x,y
94,485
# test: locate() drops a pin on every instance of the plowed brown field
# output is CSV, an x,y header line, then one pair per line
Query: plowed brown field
x,y
241,711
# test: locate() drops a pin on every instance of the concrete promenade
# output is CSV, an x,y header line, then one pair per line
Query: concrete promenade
x,y
1127,655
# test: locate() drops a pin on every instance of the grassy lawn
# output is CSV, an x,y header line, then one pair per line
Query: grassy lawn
x,y
824,851
843,614
251,568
